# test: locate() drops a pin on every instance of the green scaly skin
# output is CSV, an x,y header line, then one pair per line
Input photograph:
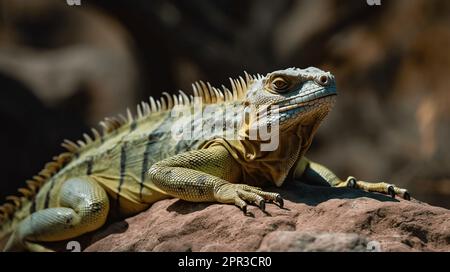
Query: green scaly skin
x,y
137,161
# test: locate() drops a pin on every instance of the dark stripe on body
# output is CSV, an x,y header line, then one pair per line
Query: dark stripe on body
x,y
123,163
33,206
180,147
89,165
186,145
133,125
152,139
47,196
145,164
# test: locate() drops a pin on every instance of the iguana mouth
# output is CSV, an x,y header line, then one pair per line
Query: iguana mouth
x,y
298,101
305,99
300,104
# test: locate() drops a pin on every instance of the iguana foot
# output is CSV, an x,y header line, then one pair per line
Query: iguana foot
x,y
380,187
240,194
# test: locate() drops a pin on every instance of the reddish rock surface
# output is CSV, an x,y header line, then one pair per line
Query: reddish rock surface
x,y
314,219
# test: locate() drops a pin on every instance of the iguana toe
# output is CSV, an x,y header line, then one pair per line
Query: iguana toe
x,y
241,204
241,194
380,187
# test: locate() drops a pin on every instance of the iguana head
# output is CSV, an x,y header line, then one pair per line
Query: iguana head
x,y
291,97
285,105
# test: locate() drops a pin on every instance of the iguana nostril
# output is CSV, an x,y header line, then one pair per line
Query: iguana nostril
x,y
323,80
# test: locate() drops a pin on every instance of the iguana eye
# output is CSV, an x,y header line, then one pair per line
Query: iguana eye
x,y
280,84
323,80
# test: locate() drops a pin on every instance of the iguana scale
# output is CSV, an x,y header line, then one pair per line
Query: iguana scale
x,y
137,161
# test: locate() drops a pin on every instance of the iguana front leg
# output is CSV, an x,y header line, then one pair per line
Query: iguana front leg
x,y
206,175
318,174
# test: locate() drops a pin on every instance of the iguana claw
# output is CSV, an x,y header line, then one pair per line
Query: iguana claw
x,y
380,187
351,182
391,191
406,195
244,209
262,205
280,201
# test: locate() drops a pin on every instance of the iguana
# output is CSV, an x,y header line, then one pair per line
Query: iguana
x,y
137,160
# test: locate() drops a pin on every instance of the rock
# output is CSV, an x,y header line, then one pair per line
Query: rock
x,y
304,241
314,219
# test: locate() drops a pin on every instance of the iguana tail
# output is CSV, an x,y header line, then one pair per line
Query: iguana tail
x,y
18,206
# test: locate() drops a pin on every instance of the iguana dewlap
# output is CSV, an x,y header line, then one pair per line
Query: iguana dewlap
x,y
209,154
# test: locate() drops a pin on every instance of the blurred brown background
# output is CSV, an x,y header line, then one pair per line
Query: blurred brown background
x,y
63,68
